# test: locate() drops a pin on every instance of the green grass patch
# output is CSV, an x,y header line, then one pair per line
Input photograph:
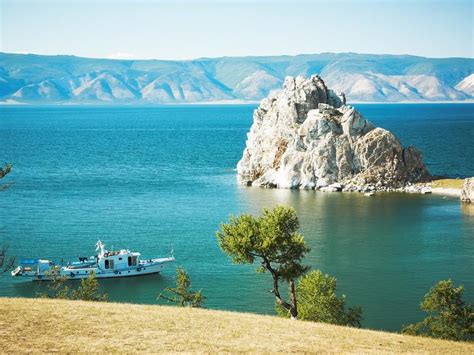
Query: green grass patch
x,y
448,183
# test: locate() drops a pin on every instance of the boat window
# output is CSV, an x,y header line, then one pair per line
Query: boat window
x,y
109,264
134,260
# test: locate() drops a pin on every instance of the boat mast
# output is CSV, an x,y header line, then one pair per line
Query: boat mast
x,y
100,247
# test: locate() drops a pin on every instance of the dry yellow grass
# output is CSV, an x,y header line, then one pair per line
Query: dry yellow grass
x,y
448,183
42,325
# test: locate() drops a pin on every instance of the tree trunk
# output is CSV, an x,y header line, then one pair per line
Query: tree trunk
x,y
293,305
275,289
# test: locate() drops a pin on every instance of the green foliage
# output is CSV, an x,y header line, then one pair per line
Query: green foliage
x,y
318,302
88,290
273,236
182,294
273,240
57,288
449,317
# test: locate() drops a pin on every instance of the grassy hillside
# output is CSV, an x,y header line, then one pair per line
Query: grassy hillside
x,y
70,326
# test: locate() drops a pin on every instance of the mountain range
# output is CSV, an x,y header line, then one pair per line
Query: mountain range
x,y
61,79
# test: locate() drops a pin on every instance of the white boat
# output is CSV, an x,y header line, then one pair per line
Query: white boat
x,y
106,264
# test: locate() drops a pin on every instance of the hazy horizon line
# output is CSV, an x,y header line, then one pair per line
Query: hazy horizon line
x,y
229,56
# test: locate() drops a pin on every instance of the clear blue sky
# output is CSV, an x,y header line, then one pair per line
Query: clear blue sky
x,y
191,29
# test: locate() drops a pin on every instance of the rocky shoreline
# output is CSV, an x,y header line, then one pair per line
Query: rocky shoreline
x,y
417,188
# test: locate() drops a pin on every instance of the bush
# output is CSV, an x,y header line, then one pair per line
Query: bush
x,y
449,317
182,294
318,302
88,290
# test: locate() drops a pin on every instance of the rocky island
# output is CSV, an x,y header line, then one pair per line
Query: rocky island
x,y
306,137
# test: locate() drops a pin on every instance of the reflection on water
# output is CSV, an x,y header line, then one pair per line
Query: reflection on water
x,y
468,209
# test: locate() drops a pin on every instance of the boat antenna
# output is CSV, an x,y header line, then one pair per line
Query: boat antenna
x,y
171,250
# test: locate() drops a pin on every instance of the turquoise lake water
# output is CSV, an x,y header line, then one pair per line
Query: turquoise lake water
x,y
147,177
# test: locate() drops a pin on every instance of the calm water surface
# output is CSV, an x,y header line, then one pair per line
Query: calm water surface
x,y
147,177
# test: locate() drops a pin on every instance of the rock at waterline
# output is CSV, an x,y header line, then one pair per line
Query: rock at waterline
x,y
426,190
306,137
467,194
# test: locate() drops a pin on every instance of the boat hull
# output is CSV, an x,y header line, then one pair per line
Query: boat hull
x,y
78,274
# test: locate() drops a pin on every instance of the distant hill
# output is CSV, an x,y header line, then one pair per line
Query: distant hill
x,y
28,78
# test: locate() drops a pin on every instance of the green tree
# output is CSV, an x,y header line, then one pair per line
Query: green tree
x,y
273,240
318,302
88,289
182,294
57,288
449,317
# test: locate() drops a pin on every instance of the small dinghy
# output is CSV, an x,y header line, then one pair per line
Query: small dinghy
x,y
106,264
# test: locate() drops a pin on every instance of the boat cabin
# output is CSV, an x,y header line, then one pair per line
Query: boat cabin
x,y
118,260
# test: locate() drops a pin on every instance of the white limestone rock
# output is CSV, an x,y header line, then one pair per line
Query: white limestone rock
x,y
467,194
307,137
426,190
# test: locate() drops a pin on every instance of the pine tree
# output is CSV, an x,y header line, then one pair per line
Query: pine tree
x,y
449,317
182,294
273,240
